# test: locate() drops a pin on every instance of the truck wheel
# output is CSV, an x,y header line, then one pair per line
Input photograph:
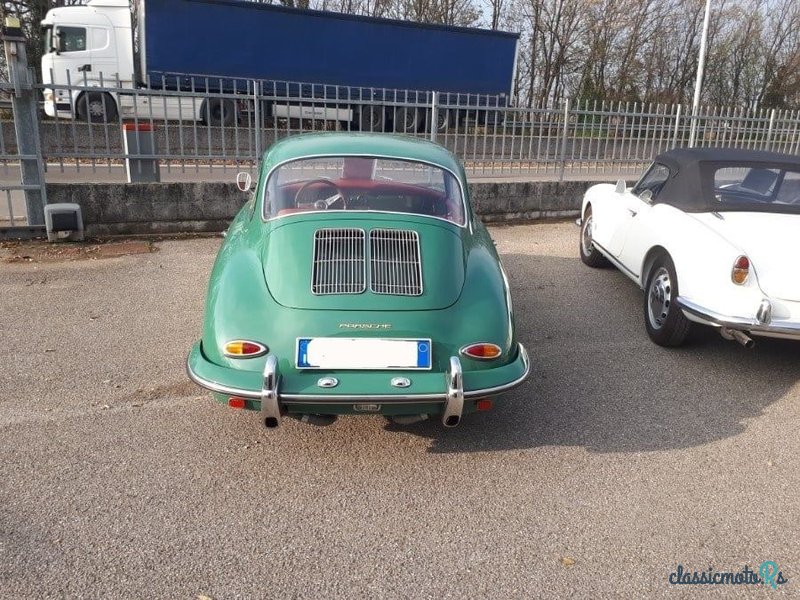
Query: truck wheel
x,y
96,107
443,120
407,120
219,111
371,118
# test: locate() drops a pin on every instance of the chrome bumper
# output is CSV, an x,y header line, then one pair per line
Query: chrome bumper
x,y
775,328
273,401
270,407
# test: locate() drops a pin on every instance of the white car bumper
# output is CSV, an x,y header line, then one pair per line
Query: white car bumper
x,y
780,325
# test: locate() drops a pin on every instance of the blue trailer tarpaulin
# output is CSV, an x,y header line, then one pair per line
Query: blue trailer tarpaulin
x,y
248,40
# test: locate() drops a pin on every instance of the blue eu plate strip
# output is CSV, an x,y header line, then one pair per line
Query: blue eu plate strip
x,y
423,354
302,353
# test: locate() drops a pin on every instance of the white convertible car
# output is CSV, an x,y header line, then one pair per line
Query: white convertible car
x,y
710,235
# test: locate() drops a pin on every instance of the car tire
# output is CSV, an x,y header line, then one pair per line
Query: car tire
x,y
664,320
590,255
97,107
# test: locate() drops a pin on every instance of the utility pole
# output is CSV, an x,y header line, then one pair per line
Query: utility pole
x,y
698,84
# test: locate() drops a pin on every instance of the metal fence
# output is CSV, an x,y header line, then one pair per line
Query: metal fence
x,y
217,131
207,129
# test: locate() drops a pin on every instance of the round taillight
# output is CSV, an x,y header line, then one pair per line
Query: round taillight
x,y
741,269
244,349
482,351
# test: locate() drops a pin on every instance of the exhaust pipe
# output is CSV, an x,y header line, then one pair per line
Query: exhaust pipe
x,y
738,336
408,419
318,420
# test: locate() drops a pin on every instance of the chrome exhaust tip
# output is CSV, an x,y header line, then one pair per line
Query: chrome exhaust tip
x,y
737,336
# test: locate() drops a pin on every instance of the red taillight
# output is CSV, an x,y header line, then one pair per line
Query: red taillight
x,y
235,402
485,404
482,351
244,349
740,271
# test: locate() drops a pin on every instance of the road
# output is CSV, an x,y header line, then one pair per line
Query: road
x,y
617,461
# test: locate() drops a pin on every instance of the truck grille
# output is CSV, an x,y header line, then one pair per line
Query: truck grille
x,y
395,266
339,265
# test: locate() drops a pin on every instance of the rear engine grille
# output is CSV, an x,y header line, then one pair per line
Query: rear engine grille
x,y
339,265
395,266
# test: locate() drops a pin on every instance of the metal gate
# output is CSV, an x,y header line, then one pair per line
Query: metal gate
x,y
22,189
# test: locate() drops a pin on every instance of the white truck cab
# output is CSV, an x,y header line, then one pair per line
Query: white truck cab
x,y
92,46
87,45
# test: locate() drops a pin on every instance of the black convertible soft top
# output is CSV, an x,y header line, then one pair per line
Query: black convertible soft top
x,y
690,186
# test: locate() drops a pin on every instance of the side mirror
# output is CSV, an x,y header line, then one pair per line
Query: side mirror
x,y
244,181
646,196
621,186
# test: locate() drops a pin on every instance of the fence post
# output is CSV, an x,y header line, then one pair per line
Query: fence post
x,y
769,130
257,117
434,114
26,121
563,158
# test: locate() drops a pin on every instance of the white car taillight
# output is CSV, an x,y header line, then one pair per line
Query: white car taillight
x,y
740,271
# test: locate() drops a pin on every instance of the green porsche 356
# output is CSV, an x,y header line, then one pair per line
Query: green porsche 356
x,y
356,279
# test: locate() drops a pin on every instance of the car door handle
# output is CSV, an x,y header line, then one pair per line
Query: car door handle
x,y
84,68
633,212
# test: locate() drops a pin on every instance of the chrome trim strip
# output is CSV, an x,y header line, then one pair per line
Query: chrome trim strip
x,y
467,221
454,404
219,388
613,260
784,328
270,407
498,389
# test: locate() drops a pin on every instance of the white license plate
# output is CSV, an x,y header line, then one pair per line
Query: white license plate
x,y
363,353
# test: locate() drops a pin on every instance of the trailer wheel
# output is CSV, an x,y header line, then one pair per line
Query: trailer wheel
x,y
444,120
371,118
218,111
408,120
96,107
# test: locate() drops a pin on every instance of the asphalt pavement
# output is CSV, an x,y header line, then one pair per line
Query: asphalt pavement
x,y
616,462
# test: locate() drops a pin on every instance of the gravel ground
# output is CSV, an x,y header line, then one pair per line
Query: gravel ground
x,y
615,462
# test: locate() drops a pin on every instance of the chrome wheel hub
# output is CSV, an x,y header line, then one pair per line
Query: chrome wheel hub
x,y
586,236
659,298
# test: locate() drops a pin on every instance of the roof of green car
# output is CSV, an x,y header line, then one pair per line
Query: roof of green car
x,y
363,144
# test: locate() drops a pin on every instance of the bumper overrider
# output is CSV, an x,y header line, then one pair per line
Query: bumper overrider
x,y
762,324
275,394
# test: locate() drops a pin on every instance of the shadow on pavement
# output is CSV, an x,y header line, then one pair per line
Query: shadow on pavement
x,y
598,382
